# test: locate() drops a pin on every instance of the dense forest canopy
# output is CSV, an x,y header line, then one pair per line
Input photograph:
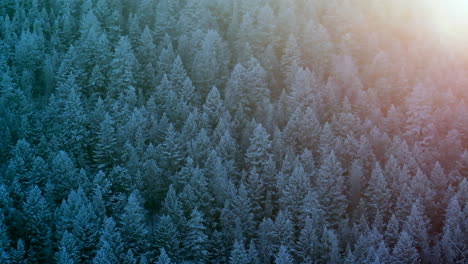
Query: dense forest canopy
x,y
219,131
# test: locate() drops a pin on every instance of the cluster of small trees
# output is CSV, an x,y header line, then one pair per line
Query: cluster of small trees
x,y
249,131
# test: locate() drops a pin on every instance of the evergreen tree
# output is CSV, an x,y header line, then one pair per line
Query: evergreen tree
x,y
300,133
266,236
296,188
129,258
104,151
210,62
123,66
104,255
329,248
213,107
291,58
85,231
355,182
196,239
172,207
163,258
68,119
110,246
238,254
63,257
308,243
258,152
4,239
167,236
417,226
283,230
330,187
37,218
64,176
377,195
404,251
392,231
283,257
133,226
252,253
18,255
454,233
246,89
170,150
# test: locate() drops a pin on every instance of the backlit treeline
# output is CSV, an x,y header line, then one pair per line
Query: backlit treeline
x,y
217,131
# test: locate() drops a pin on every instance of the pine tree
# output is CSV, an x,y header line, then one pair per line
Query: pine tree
x,y
238,254
237,218
366,243
64,257
133,226
129,258
377,196
18,255
4,239
440,182
172,207
404,202
146,51
308,243
283,256
163,257
37,224
291,58
104,151
246,89
296,187
170,151
383,253
210,62
64,176
419,121
123,66
259,149
164,18
200,147
316,35
85,231
392,231
329,248
252,253
196,239
167,236
105,255
303,129
454,232
266,237
213,107
257,192
77,221
350,258
283,230
265,27
178,76
330,187
417,226
355,182
110,247
68,119
404,251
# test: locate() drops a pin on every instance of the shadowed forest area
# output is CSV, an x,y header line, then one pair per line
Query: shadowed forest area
x,y
221,131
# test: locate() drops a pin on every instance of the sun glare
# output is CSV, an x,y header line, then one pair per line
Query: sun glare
x,y
449,18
